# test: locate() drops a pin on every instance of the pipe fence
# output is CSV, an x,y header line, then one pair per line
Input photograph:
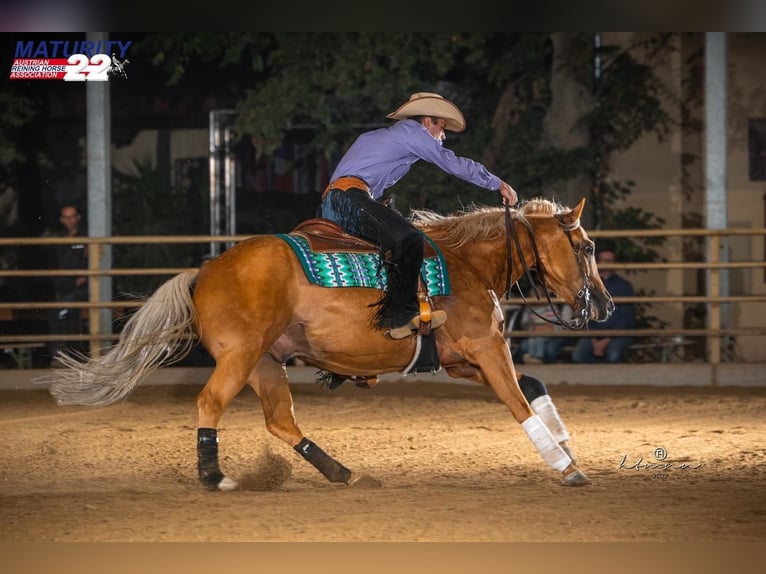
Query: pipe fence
x,y
665,343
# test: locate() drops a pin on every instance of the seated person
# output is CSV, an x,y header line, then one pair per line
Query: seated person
x,y
608,349
535,350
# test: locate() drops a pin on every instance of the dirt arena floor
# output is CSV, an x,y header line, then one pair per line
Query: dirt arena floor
x,y
443,462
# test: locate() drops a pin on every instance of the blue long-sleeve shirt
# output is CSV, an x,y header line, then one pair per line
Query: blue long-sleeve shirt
x,y
384,156
624,315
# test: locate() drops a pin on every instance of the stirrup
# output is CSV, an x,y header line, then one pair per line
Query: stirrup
x,y
438,318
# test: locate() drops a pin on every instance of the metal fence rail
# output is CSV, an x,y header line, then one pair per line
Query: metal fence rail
x,y
714,333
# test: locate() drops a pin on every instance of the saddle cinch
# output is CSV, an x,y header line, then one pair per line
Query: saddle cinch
x,y
330,257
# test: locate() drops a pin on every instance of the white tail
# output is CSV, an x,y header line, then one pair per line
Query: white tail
x,y
159,333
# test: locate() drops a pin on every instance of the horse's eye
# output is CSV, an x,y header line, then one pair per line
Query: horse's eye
x,y
588,249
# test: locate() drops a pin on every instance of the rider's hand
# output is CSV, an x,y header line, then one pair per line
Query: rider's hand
x,y
509,194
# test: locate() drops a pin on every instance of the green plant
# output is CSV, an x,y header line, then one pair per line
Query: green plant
x,y
145,204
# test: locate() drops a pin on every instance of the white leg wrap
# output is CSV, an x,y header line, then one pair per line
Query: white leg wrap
x,y
545,444
546,410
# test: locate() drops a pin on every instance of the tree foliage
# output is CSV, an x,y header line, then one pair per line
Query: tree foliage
x,y
147,205
341,83
338,84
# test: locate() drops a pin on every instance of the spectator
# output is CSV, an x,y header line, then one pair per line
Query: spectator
x,y
608,349
68,288
541,318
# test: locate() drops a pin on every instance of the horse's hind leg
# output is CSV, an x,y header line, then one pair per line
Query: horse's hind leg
x,y
269,380
227,380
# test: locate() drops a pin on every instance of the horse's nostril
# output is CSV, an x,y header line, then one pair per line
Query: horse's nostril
x,y
610,305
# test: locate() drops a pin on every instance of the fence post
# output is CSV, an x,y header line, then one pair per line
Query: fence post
x,y
714,314
94,297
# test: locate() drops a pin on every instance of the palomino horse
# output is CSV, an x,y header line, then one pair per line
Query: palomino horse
x,y
254,309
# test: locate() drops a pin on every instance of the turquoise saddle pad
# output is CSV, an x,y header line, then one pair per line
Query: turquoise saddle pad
x,y
353,269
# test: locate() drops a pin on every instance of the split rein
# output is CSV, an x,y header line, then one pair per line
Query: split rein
x,y
512,235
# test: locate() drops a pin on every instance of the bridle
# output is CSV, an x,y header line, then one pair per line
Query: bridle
x,y
583,295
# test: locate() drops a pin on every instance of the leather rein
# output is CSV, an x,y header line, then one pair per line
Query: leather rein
x,y
511,235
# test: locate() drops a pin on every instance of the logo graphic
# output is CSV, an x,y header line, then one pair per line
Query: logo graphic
x,y
78,61
118,68
661,468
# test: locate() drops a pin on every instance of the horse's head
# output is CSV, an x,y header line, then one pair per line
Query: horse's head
x,y
555,245
567,264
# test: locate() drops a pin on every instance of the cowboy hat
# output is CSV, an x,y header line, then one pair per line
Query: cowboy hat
x,y
428,104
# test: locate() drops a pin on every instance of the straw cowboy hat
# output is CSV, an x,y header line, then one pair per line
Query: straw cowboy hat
x,y
428,104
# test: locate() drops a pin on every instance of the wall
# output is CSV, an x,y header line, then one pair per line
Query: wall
x,y
655,166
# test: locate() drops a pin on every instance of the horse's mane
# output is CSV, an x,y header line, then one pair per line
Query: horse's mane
x,y
479,223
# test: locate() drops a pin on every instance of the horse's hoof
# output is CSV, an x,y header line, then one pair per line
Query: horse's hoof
x,y
575,478
364,481
227,484
353,479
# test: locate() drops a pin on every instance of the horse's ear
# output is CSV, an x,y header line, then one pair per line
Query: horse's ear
x,y
577,210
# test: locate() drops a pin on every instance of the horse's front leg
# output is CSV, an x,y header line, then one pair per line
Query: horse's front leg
x,y
269,380
492,356
536,393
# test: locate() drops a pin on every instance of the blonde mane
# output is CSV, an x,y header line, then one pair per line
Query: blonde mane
x,y
479,223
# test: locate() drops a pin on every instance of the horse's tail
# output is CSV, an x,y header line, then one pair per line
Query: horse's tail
x,y
160,332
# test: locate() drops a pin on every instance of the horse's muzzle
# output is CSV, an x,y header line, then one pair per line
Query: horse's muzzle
x,y
602,308
610,306
590,308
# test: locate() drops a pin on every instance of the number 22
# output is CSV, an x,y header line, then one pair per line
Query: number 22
x,y
81,69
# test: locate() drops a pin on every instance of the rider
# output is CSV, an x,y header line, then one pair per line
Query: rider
x,y
377,160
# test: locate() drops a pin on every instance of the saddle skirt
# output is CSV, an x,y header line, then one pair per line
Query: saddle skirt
x,y
330,257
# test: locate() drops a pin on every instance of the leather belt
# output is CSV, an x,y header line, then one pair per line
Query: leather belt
x,y
345,183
